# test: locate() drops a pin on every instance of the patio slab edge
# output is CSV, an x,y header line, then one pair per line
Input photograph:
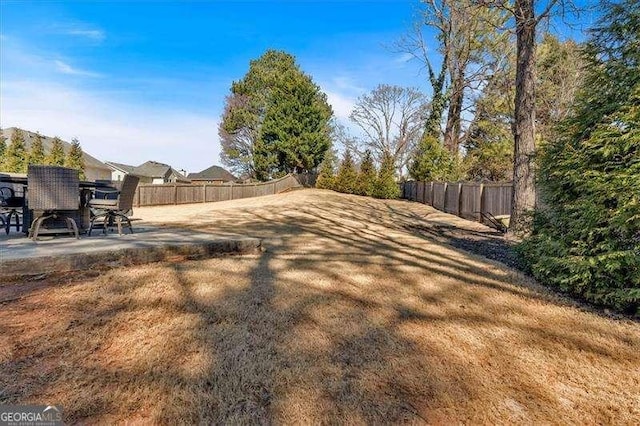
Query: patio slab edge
x,y
11,269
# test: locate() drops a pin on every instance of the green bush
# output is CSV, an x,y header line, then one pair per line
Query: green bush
x,y
347,175
385,185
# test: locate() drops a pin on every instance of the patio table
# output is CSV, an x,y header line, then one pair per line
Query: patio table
x,y
83,212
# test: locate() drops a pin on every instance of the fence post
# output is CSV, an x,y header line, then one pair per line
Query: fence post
x,y
204,192
175,193
459,199
481,203
444,202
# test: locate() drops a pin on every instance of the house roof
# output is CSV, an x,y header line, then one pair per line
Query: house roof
x,y
152,169
47,142
213,173
122,167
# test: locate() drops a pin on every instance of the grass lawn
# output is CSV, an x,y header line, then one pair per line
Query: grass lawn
x,y
348,316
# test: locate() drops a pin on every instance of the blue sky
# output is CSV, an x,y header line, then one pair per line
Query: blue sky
x,y
146,80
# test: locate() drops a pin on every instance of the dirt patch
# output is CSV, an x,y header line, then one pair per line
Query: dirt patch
x,y
487,243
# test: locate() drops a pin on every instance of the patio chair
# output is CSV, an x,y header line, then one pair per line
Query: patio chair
x,y
114,210
55,191
11,207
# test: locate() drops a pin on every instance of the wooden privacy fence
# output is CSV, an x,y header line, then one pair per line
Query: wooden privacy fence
x,y
470,200
158,195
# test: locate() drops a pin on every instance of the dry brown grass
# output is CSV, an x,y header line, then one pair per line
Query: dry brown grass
x,y
346,317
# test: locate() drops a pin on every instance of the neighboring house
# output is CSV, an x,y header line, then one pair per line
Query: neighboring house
x,y
93,168
118,171
214,174
149,172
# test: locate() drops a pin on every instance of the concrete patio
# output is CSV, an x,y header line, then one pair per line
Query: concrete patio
x,y
20,256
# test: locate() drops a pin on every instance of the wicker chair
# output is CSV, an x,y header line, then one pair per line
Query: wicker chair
x,y
10,207
114,210
55,191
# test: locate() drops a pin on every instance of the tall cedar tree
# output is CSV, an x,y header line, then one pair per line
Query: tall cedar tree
x,y
386,185
276,119
367,175
15,159
56,155
586,240
36,151
74,158
347,175
327,176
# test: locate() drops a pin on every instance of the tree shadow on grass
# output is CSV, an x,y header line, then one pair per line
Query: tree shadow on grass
x,y
344,318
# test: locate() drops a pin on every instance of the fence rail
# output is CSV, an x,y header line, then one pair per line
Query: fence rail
x,y
167,194
470,200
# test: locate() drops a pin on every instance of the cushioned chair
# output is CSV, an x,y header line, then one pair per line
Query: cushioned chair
x,y
109,210
55,191
10,207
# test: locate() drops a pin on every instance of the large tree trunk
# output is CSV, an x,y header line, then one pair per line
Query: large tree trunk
x,y
452,129
432,124
524,193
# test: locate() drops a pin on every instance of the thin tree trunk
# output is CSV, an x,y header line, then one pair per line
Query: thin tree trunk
x,y
524,193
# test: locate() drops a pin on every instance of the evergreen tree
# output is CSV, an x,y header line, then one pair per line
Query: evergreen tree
x,y
15,158
385,185
432,162
366,176
586,240
295,130
276,120
3,147
327,176
36,151
74,158
347,175
56,155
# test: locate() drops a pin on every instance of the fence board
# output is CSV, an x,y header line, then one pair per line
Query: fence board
x,y
439,189
497,200
452,198
420,192
470,201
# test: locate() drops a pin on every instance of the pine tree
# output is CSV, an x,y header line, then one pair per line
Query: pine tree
x,y
347,175
327,176
36,152
276,120
366,176
74,158
56,155
432,161
15,159
386,185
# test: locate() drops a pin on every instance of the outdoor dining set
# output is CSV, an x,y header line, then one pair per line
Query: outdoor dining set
x,y
53,200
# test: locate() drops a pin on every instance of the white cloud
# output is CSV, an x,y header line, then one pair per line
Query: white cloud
x,y
78,29
341,104
97,35
113,130
65,68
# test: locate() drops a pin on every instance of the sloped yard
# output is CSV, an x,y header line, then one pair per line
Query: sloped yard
x,y
356,312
